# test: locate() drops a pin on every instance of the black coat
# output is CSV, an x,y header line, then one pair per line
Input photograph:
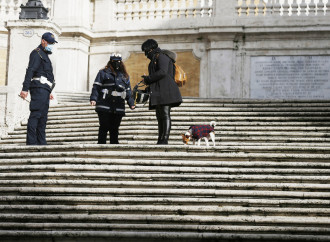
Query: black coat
x,y
106,80
164,90
39,65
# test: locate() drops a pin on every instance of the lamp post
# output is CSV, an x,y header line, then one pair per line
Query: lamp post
x,y
34,9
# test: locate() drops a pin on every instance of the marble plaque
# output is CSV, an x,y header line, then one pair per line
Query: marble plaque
x,y
290,77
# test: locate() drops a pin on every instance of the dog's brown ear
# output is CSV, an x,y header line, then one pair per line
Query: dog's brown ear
x,y
182,135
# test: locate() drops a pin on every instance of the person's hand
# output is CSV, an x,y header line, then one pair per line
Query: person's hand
x,y
145,79
132,107
93,103
24,94
51,96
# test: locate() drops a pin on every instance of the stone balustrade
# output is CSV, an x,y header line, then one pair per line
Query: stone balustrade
x,y
266,8
162,9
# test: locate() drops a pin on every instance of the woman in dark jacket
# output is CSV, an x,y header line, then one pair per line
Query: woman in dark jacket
x,y
110,90
164,91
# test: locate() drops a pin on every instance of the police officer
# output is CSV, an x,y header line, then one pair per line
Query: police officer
x,y
110,90
39,80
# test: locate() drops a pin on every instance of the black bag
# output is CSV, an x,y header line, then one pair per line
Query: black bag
x,y
140,95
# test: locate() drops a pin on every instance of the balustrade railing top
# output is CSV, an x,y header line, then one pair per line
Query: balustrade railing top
x,y
266,8
162,9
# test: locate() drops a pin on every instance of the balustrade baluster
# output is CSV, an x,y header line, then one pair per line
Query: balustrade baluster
x,y
285,7
239,7
144,9
128,9
243,8
17,7
276,7
202,5
307,9
316,2
260,8
175,9
121,10
210,6
136,10
159,9
11,10
294,8
311,7
3,11
183,7
152,9
299,2
190,9
269,8
325,8
167,9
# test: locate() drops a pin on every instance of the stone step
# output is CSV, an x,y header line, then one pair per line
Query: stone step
x,y
137,200
165,192
177,134
10,178
159,149
170,219
207,210
195,115
153,123
139,139
181,129
193,120
152,185
154,236
175,163
132,234
208,111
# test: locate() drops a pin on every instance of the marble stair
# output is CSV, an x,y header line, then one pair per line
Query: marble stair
x,y
267,178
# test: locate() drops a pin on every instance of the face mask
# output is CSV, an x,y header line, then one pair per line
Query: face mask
x,y
49,48
116,65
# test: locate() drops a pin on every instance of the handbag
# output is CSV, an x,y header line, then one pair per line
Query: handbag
x,y
140,96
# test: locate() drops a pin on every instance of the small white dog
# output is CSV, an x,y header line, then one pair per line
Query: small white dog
x,y
197,132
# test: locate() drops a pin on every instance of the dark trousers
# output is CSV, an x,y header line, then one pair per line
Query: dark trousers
x,y
163,114
36,127
109,122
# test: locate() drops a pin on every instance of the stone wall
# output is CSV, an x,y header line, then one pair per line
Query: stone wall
x,y
137,65
3,68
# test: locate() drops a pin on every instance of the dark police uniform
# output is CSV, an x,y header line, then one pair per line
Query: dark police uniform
x,y
110,92
39,79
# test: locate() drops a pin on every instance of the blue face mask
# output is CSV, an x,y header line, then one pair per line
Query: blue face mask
x,y
49,48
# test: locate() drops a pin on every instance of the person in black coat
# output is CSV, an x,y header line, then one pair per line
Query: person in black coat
x,y
110,90
39,80
164,92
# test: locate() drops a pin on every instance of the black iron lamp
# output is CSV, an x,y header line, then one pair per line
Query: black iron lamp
x,y
34,9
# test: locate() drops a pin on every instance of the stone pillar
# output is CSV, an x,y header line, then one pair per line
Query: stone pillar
x,y
73,13
24,36
75,19
104,15
221,67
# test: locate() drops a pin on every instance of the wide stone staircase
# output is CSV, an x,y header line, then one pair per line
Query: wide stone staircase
x,y
267,179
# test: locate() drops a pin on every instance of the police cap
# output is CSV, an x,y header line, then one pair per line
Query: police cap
x,y
49,37
115,57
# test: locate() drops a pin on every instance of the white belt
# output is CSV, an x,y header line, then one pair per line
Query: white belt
x,y
42,80
119,94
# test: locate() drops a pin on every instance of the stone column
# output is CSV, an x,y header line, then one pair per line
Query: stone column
x,y
104,15
24,36
75,18
221,67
